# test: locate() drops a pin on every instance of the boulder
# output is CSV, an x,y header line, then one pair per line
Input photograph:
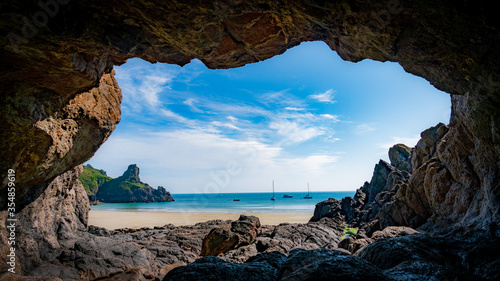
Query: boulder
x,y
324,264
400,157
242,232
219,241
216,269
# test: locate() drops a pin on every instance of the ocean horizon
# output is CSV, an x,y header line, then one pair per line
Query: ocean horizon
x,y
224,203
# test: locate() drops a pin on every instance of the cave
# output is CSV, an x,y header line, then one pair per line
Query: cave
x,y
60,101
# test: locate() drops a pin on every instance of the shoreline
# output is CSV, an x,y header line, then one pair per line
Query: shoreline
x,y
111,219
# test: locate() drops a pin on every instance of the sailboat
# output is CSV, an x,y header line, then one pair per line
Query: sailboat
x,y
273,198
308,191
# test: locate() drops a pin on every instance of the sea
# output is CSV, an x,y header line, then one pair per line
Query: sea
x,y
248,203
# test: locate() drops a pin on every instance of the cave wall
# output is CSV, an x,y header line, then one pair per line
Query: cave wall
x,y
60,101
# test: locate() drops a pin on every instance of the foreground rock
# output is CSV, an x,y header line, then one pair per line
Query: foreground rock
x,y
241,233
61,101
263,268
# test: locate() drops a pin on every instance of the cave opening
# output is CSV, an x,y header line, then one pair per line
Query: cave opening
x,y
305,116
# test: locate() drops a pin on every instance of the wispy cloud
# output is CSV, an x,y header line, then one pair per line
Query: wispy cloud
x,y
362,129
294,108
408,141
190,102
225,125
293,133
281,98
333,118
324,97
151,86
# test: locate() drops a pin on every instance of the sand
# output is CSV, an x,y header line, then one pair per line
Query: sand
x,y
133,219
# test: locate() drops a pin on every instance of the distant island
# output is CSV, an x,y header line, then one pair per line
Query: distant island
x,y
127,188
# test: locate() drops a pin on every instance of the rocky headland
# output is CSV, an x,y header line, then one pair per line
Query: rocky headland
x,y
128,188
60,102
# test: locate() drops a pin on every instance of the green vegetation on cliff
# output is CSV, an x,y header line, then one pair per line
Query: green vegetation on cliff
x,y
92,179
126,188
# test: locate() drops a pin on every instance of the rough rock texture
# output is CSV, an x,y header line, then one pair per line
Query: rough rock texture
x,y
400,156
51,223
60,100
220,240
215,269
423,257
354,244
46,66
42,141
325,264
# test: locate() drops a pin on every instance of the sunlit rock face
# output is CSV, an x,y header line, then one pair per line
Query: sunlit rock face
x,y
60,101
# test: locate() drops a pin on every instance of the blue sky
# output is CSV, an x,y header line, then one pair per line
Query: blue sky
x,y
304,116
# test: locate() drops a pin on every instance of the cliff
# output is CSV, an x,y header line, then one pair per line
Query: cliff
x,y
60,102
127,188
91,180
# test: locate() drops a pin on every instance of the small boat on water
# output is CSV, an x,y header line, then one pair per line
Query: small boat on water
x,y
236,199
308,191
287,196
273,198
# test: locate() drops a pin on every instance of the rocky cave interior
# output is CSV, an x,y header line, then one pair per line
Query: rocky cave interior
x,y
60,102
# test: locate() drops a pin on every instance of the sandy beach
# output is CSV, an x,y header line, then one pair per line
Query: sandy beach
x,y
133,219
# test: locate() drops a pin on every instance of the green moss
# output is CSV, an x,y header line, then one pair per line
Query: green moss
x,y
92,179
349,231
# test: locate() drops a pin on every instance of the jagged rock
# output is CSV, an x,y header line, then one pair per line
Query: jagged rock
x,y
355,244
248,227
425,257
219,241
427,145
51,134
60,100
52,222
393,232
222,239
400,156
329,208
324,264
50,126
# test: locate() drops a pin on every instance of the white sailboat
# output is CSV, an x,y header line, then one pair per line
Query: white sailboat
x,y
308,191
273,198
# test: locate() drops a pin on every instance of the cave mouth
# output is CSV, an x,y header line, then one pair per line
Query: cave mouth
x,y
303,116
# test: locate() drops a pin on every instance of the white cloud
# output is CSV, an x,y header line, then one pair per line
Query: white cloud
x,y
281,98
310,164
226,125
188,160
293,133
408,141
333,118
150,87
362,129
232,119
324,97
190,102
294,108
177,117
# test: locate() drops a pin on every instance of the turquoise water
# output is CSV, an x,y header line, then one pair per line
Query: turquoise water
x,y
223,203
